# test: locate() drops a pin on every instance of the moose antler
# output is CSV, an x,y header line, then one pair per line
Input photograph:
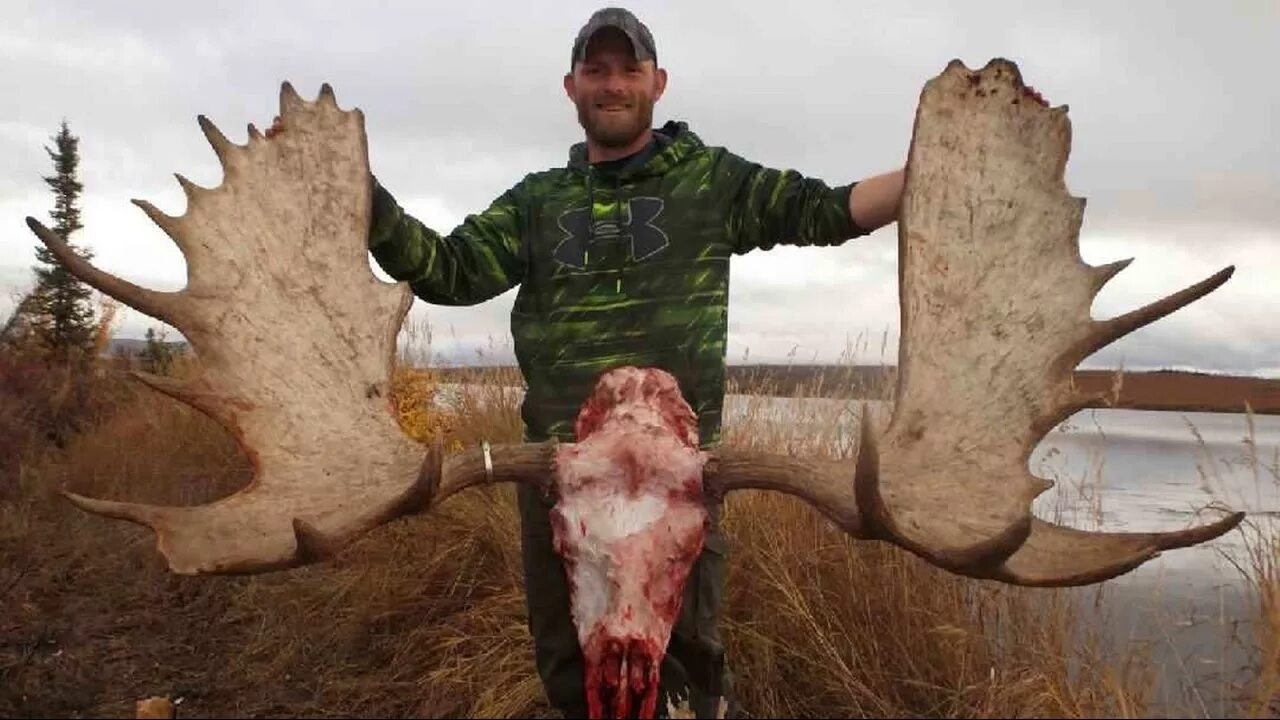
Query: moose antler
x,y
296,341
995,313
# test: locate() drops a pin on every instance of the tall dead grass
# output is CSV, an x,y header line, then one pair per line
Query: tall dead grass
x,y
1260,570
426,616
1262,699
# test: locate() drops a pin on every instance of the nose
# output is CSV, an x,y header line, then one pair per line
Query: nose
x,y
614,82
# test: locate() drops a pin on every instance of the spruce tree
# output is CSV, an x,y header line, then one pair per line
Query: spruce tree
x,y
63,319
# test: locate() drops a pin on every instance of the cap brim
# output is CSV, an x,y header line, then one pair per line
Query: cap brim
x,y
638,48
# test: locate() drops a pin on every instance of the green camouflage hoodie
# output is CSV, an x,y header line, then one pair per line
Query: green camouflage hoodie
x,y
618,264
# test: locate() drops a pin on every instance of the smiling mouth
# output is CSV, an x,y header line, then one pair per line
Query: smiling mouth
x,y
612,108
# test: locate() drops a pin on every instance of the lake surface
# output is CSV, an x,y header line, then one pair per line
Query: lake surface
x,y
1155,471
1137,471
1140,471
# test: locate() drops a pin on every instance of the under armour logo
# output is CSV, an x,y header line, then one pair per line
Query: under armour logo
x,y
635,227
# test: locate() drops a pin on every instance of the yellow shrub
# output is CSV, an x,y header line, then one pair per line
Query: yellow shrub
x,y
412,392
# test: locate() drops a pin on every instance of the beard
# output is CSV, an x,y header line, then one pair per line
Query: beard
x,y
616,129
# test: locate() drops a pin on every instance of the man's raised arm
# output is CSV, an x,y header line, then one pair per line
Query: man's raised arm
x,y
769,207
479,260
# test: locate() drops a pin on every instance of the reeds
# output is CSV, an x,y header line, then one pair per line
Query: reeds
x,y
426,616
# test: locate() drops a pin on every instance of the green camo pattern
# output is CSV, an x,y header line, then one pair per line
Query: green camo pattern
x,y
625,266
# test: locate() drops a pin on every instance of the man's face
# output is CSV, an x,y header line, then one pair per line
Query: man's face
x,y
614,92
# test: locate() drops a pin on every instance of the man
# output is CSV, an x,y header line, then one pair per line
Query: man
x,y
622,257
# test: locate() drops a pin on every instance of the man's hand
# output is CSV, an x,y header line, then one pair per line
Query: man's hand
x,y
277,126
875,201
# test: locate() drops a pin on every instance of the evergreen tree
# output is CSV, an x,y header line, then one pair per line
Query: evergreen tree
x,y
157,356
63,319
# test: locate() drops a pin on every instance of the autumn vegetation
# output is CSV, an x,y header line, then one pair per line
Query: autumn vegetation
x,y
425,617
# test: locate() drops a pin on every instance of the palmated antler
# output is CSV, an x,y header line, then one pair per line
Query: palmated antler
x,y
995,313
296,341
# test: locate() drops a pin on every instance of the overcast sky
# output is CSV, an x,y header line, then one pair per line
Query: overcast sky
x,y
1174,107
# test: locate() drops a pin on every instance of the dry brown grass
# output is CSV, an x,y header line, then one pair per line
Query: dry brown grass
x,y
1264,570
425,617
1260,569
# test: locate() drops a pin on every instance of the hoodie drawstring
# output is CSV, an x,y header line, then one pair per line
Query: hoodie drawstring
x,y
591,223
617,219
591,217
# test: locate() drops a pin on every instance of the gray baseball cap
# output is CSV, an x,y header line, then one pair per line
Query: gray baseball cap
x,y
641,39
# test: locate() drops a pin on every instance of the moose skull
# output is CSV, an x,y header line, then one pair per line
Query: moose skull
x,y
629,524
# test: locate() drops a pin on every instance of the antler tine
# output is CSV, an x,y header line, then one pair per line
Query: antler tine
x,y
290,100
1057,556
1108,331
139,514
167,306
195,393
189,189
171,225
1102,274
222,147
326,95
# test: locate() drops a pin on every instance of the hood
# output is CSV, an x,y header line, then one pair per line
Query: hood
x,y
674,143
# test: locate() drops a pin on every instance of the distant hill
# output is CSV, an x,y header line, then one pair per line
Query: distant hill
x,y
133,346
1172,390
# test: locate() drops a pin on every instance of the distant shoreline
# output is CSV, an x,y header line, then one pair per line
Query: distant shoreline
x,y
1163,390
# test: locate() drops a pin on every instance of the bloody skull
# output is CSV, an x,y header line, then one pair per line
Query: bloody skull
x,y
629,523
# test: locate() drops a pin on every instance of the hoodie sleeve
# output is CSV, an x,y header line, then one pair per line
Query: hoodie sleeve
x,y
478,260
768,207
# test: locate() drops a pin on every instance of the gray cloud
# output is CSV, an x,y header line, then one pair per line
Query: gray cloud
x,y
1172,110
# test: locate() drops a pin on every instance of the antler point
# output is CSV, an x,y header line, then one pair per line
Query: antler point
x,y
221,145
189,188
288,96
312,544
430,474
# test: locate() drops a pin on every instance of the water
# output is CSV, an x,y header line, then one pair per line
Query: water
x,y
1155,471
1138,471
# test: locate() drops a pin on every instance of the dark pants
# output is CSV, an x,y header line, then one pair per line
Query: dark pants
x,y
693,669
